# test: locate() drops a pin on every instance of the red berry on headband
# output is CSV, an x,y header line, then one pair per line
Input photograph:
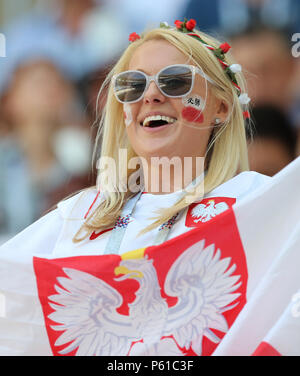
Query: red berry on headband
x,y
225,47
246,114
190,25
133,37
178,24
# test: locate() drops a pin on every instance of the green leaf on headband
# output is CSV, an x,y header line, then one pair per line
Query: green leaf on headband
x,y
163,25
219,53
231,75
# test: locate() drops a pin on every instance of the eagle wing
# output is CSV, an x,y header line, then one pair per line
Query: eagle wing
x,y
198,211
221,207
85,310
204,286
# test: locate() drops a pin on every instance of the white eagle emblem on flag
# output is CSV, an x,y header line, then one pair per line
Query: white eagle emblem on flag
x,y
205,212
85,307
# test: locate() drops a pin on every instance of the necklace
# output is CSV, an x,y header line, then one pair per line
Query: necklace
x,y
118,232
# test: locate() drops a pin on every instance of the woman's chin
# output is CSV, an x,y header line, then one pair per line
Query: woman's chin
x,y
163,151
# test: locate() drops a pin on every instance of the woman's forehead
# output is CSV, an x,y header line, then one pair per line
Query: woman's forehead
x,y
153,55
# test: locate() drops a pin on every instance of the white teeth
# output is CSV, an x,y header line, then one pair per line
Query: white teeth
x,y
148,119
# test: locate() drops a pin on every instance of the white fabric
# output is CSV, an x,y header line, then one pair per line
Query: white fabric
x,y
274,278
74,210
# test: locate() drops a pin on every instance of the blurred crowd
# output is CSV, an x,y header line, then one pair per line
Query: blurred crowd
x,y
57,56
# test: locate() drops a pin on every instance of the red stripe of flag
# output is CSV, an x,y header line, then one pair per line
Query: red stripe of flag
x,y
91,205
265,349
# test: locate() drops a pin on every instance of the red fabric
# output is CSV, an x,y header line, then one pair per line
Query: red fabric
x,y
227,241
265,349
87,213
193,221
95,235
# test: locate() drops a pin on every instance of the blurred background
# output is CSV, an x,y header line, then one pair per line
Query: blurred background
x,y
58,53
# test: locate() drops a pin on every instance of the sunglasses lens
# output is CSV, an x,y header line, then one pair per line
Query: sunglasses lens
x,y
176,81
129,86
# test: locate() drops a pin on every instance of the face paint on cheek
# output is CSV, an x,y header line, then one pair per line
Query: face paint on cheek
x,y
127,114
193,109
192,115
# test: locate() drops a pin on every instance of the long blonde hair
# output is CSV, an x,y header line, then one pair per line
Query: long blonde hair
x,y
226,152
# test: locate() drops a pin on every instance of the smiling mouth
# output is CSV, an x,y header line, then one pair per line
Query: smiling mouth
x,y
157,121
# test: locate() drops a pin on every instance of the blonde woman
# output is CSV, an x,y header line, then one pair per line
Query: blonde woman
x,y
202,128
171,152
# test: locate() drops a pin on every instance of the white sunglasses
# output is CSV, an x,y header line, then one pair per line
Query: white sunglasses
x,y
173,81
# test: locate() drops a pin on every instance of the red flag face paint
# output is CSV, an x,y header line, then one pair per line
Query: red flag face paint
x,y
193,109
192,115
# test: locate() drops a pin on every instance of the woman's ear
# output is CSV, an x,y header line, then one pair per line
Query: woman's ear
x,y
222,110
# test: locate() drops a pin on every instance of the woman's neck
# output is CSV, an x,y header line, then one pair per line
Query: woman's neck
x,y
164,175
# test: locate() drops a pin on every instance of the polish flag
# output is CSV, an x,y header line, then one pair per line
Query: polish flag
x,y
230,286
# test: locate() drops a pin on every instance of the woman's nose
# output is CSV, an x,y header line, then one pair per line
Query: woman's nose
x,y
153,94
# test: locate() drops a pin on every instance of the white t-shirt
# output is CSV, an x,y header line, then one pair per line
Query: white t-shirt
x,y
52,235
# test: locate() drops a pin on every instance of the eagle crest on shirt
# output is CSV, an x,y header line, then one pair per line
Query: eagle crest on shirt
x,y
207,211
85,307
